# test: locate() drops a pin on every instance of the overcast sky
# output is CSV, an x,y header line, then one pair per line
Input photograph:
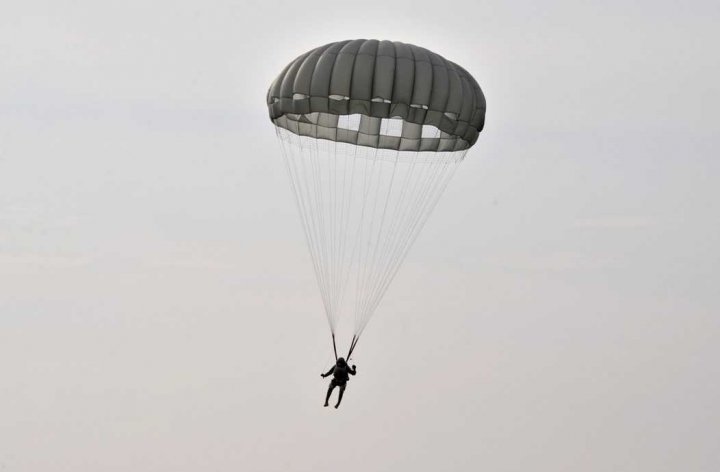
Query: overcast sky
x,y
158,309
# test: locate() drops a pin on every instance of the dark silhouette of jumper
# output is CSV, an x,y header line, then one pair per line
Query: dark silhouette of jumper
x,y
341,374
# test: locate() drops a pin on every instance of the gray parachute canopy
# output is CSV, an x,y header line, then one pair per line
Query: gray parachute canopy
x,y
441,106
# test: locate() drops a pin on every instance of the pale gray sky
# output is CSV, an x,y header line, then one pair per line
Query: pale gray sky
x,y
158,310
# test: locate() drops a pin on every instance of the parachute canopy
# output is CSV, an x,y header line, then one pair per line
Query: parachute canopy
x,y
379,80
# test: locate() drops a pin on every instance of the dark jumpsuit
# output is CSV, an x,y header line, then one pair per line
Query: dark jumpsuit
x,y
341,374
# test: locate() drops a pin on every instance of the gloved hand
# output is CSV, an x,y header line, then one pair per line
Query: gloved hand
x,y
322,375
354,367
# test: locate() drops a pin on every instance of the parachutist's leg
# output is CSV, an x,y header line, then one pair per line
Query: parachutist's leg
x,y
329,392
340,395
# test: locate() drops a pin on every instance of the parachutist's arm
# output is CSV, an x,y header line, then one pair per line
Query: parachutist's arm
x,y
353,371
329,372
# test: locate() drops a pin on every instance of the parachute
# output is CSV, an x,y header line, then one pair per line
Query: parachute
x,y
371,132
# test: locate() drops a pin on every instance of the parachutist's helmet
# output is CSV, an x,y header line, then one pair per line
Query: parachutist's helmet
x,y
341,361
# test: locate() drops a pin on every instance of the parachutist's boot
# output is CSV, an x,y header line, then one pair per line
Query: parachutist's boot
x,y
329,392
340,395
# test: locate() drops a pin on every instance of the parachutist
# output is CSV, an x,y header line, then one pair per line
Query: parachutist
x,y
341,374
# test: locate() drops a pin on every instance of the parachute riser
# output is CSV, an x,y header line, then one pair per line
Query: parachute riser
x,y
353,343
334,347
